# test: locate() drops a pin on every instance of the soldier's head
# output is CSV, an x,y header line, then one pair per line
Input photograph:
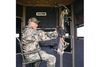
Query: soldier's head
x,y
33,22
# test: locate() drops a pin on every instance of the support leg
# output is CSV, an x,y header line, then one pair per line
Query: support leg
x,y
23,65
61,60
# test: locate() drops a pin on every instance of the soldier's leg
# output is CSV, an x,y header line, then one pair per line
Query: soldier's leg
x,y
51,59
34,57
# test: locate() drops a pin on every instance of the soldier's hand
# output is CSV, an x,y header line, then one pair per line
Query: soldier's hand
x,y
61,32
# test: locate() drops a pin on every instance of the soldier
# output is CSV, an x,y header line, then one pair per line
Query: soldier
x,y
30,38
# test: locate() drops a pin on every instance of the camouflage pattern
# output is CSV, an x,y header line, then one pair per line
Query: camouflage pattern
x,y
30,39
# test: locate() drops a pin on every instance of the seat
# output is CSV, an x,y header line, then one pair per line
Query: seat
x,y
22,53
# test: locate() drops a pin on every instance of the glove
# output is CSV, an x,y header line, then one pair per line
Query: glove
x,y
61,32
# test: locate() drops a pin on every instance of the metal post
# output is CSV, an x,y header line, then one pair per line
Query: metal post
x,y
23,25
72,33
23,65
24,15
61,55
61,60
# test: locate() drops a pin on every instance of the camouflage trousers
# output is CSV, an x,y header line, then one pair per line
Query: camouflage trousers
x,y
51,59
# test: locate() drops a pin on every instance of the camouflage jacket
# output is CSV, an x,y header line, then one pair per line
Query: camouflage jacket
x,y
31,37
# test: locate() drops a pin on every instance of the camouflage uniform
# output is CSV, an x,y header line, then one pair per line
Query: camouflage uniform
x,y
30,39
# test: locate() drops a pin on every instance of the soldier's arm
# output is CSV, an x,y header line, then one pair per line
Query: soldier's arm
x,y
28,35
27,39
47,35
52,34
